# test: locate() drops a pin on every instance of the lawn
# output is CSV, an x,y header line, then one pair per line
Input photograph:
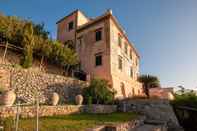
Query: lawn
x,y
74,122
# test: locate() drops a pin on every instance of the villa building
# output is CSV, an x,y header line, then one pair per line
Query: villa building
x,y
104,50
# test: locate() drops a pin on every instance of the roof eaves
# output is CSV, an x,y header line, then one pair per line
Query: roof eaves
x,y
70,15
122,31
93,21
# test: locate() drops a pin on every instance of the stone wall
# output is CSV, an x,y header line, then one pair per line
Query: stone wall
x,y
155,110
26,83
161,93
30,111
132,125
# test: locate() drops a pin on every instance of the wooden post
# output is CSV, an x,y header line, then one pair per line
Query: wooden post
x,y
17,116
4,55
41,62
37,113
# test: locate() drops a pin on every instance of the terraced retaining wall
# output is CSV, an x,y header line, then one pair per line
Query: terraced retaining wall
x,y
133,125
30,111
26,83
155,110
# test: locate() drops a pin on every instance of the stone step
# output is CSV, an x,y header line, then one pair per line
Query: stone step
x,y
147,127
155,122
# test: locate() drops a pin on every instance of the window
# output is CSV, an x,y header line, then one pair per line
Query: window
x,y
137,74
131,54
120,63
98,34
139,92
70,25
123,89
98,59
119,40
136,62
80,42
126,48
131,72
133,91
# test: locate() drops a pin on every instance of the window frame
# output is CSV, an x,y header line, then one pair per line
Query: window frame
x,y
122,86
126,48
136,61
70,27
99,30
119,40
131,72
101,59
131,54
80,41
120,63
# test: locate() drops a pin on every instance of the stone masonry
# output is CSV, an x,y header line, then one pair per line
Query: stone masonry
x,y
27,83
30,111
156,111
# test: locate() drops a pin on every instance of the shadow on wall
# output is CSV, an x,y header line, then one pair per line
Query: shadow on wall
x,y
66,92
28,83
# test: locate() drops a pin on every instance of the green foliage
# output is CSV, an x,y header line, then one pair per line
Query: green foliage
x,y
98,92
187,99
28,43
89,100
73,122
185,107
33,38
40,31
148,82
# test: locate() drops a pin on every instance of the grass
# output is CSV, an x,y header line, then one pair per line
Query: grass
x,y
74,122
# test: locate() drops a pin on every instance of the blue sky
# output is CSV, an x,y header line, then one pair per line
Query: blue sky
x,y
163,31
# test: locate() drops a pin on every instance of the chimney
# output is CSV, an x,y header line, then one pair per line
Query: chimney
x,y
109,11
124,31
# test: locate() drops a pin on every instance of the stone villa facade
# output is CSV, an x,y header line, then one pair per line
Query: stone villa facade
x,y
104,50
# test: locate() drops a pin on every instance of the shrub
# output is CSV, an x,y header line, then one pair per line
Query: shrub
x,y
187,117
28,43
98,92
34,41
187,99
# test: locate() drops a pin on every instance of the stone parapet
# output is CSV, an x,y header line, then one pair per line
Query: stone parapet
x,y
30,111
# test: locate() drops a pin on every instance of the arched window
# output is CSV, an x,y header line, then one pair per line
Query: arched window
x,y
139,92
133,91
123,89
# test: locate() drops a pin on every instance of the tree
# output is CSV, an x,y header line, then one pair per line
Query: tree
x,y
70,44
40,31
63,55
33,38
148,82
182,89
99,92
28,43
184,107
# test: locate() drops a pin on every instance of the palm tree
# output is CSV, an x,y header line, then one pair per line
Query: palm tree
x,y
148,82
182,89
